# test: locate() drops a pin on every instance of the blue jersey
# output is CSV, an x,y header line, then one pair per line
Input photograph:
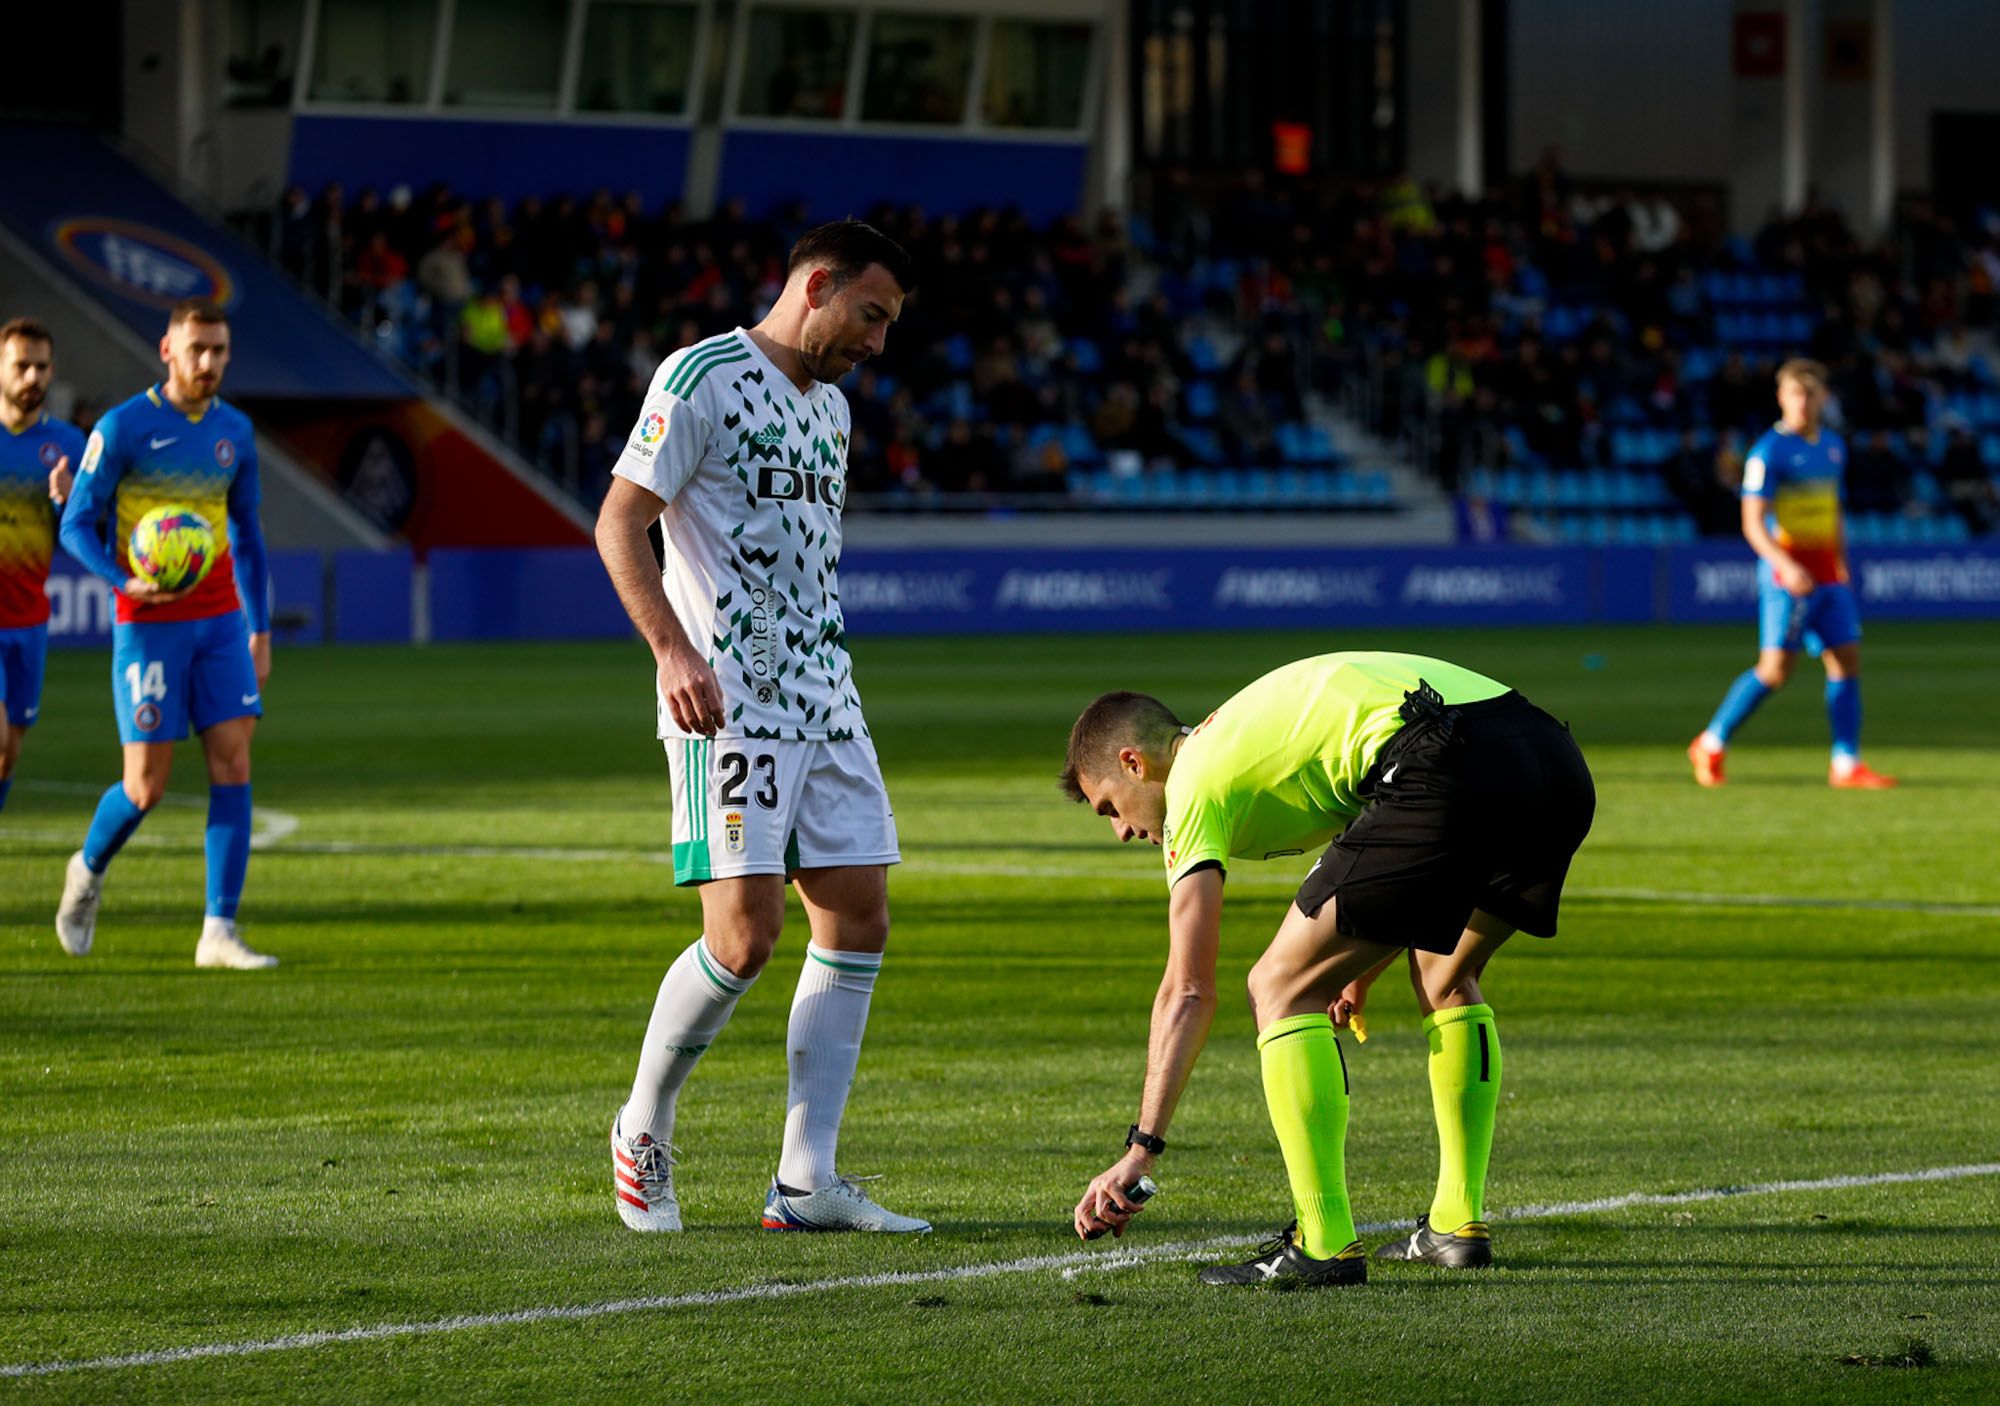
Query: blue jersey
x,y
28,518
1800,479
146,454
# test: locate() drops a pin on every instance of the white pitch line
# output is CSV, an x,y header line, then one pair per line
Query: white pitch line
x,y
268,826
1557,1209
1069,1264
276,829
572,1312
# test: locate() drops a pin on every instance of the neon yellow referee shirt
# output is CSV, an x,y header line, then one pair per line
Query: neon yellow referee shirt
x,y
1274,771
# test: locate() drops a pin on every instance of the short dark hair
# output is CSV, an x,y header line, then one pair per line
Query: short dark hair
x,y
1115,721
846,247
28,330
196,310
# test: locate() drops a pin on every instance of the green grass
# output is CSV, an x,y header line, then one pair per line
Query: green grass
x,y
406,1121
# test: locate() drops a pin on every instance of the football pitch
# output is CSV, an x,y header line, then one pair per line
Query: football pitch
x,y
1748,1148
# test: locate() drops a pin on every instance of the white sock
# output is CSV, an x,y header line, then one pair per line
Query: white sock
x,y
823,1044
695,1002
1712,744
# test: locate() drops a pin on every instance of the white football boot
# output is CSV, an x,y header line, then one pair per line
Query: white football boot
x,y
842,1206
642,1173
221,946
76,915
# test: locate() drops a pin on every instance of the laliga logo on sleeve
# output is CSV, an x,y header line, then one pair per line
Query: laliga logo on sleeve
x,y
651,430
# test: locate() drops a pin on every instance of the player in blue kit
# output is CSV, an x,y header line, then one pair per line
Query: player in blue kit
x,y
197,657
1791,519
37,455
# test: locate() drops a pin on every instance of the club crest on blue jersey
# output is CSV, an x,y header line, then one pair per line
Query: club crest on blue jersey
x,y
49,453
225,453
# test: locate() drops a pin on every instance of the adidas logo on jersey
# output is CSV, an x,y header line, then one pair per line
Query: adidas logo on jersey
x,y
770,437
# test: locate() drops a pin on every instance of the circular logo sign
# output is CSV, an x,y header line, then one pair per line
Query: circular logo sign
x,y
655,426
146,717
49,453
144,264
225,453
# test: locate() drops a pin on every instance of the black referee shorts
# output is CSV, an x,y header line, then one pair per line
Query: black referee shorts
x,y
1473,805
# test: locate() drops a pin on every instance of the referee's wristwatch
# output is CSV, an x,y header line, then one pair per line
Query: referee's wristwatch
x,y
1137,1137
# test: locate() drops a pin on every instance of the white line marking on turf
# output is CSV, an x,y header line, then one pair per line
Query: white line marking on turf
x,y
570,1312
276,829
1557,1209
268,826
1069,1264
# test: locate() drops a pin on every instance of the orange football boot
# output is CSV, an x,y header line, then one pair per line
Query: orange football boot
x,y
1707,764
1862,778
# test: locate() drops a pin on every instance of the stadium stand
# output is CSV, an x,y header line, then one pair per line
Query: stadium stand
x,y
1591,363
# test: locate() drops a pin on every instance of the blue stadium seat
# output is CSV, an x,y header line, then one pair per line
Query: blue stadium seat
x,y
1202,401
1089,361
1080,445
1205,444
1201,355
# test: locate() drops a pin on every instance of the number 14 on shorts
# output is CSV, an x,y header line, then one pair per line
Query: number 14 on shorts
x,y
146,682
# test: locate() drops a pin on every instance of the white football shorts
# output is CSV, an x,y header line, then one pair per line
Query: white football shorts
x,y
770,806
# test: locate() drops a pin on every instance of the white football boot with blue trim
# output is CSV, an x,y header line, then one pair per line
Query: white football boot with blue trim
x,y
841,1206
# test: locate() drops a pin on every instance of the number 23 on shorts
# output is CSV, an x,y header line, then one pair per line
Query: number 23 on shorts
x,y
733,771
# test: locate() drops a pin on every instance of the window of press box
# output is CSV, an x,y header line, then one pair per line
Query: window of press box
x,y
263,55
374,51
1035,74
636,58
507,54
797,64
919,67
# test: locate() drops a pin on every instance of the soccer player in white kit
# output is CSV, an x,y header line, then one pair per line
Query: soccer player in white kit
x,y
740,454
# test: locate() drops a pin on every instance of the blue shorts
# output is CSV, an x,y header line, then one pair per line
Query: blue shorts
x,y
1827,618
24,653
165,676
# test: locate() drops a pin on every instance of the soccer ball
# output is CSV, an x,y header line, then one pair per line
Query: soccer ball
x,y
173,548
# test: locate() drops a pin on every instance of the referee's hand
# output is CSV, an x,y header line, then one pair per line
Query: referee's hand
x,y
694,698
1105,1203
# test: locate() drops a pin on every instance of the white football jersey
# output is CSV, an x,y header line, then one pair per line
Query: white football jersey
x,y
754,475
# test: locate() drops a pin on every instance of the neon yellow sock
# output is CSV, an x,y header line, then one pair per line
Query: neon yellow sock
x,y
1465,1091
1305,1084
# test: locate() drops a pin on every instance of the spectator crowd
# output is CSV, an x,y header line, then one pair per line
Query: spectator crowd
x,y
1551,325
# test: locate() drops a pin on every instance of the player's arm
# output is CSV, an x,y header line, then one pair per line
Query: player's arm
x,y
91,500
688,684
1183,1010
246,548
1784,566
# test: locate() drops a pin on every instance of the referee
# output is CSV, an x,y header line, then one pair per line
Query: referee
x,y
1449,807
